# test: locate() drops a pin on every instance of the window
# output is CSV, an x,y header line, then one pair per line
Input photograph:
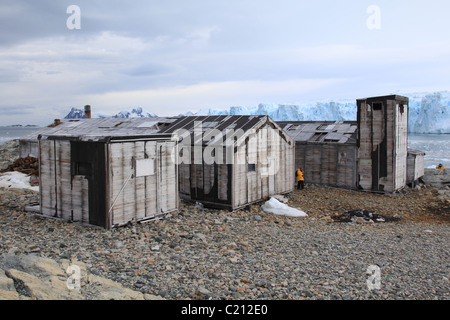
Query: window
x,y
377,106
145,167
251,167
83,169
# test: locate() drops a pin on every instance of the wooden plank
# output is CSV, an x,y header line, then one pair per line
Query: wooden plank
x,y
222,192
80,199
139,183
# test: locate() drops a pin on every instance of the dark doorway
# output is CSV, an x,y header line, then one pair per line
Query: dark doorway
x,y
88,160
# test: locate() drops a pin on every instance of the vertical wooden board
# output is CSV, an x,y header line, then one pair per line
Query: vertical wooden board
x,y
58,189
281,168
117,180
401,144
290,167
172,175
207,183
251,186
140,183
151,182
222,182
341,166
333,165
310,163
80,199
258,167
240,179
166,178
316,151
65,179
324,164
46,178
129,191
51,178
263,164
184,178
252,159
199,181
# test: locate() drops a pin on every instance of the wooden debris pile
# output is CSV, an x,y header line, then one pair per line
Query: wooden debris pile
x,y
28,165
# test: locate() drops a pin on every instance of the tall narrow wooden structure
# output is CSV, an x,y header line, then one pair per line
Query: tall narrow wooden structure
x,y
382,143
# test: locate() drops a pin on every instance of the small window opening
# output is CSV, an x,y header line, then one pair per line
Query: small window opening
x,y
83,169
377,106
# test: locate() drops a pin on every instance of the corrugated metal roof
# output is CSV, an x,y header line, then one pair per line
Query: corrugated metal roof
x,y
342,132
112,127
228,126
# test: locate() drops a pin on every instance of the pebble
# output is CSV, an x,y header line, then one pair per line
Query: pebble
x,y
250,254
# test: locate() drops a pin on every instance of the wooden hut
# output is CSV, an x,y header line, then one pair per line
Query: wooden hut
x,y
416,166
232,161
117,126
382,143
108,180
326,150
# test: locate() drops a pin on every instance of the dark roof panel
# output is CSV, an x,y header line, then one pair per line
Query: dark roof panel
x,y
341,132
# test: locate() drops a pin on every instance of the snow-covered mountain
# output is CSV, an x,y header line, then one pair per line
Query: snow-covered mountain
x,y
135,112
429,112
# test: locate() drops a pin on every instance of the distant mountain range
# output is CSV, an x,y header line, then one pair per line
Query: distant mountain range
x,y
428,112
135,112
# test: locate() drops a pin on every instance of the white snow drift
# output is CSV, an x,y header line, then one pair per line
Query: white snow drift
x,y
276,207
16,180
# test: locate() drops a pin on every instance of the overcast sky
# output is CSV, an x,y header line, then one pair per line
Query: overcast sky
x,y
175,56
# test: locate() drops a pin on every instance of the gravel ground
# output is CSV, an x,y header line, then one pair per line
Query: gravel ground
x,y
250,254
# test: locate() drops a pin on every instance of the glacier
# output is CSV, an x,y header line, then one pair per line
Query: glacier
x,y
429,113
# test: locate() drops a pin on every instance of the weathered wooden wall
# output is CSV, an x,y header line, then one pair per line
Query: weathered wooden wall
x,y
328,164
56,194
137,198
28,148
416,166
264,166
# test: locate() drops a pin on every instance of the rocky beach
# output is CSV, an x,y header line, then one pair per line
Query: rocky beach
x,y
248,254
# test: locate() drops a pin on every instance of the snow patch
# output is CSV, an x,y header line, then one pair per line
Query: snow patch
x,y
16,180
276,207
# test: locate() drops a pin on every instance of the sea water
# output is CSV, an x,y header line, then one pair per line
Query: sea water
x,y
435,146
15,132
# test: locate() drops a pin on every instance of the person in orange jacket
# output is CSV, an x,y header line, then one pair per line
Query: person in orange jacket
x,y
441,168
300,179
